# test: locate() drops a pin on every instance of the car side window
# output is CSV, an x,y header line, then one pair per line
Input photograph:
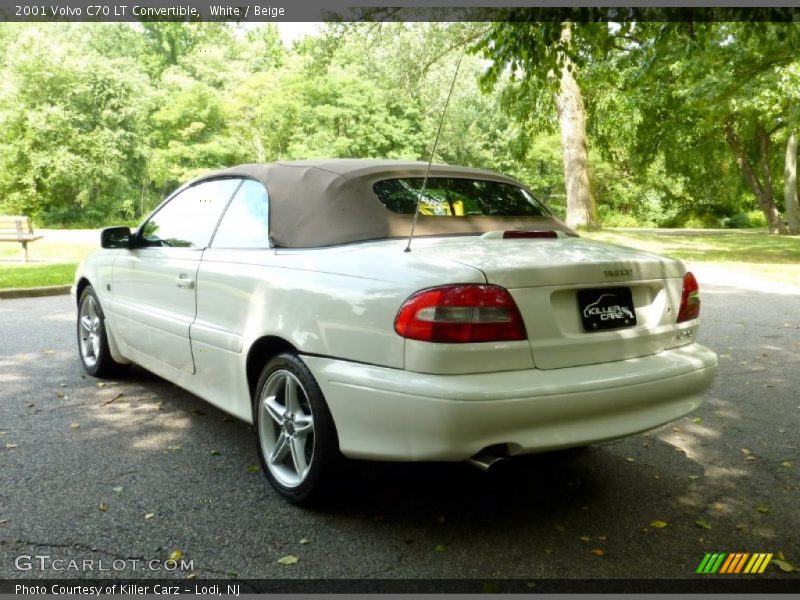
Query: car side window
x,y
189,219
245,224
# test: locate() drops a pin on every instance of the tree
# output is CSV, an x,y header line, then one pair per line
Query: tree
x,y
790,184
721,81
549,54
70,122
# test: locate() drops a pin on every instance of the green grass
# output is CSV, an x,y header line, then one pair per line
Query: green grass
x,y
33,275
709,245
53,259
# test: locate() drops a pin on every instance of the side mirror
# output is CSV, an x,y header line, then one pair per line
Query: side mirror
x,y
115,237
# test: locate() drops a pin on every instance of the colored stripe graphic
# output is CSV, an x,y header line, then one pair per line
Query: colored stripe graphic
x,y
734,563
758,563
711,562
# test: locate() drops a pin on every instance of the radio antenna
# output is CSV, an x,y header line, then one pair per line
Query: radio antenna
x,y
433,152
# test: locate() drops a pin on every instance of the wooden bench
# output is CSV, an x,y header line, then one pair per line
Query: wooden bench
x,y
18,229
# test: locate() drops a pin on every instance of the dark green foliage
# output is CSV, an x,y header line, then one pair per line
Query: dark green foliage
x,y
99,123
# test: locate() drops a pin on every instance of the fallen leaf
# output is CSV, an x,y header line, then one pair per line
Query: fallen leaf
x,y
658,524
215,453
745,451
602,537
548,550
787,464
253,469
103,507
149,516
739,526
697,420
289,559
62,385
598,552
702,524
693,477
629,459
74,425
10,446
173,448
176,554
117,488
304,541
784,566
101,384
3,432
191,576
440,548
585,538
49,351
750,458
762,509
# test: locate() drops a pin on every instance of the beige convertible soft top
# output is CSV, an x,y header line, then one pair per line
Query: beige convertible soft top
x,y
317,203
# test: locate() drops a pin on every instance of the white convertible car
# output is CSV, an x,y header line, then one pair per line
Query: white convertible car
x,y
287,295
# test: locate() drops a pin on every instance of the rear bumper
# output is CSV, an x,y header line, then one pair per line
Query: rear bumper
x,y
390,414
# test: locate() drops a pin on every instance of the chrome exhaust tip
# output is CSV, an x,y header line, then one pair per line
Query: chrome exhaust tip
x,y
488,460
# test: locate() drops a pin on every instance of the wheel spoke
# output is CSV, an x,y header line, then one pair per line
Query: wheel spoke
x,y
91,309
273,409
95,346
279,451
304,424
298,445
290,394
86,323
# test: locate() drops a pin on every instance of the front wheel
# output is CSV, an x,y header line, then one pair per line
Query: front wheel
x,y
93,338
297,441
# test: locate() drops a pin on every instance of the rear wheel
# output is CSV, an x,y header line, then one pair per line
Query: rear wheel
x,y
93,339
297,441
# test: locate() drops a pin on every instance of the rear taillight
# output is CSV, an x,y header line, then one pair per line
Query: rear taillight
x,y
458,314
690,299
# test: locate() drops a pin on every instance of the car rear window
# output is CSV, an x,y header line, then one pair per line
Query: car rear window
x,y
458,197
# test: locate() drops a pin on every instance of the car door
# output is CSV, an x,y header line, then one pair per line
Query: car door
x,y
153,289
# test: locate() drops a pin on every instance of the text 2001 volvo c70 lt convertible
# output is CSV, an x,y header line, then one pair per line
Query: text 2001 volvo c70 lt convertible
x,y
285,295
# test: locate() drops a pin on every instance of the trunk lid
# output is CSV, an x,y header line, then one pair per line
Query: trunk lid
x,y
545,276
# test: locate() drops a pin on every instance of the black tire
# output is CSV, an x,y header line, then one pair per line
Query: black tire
x,y
304,467
93,340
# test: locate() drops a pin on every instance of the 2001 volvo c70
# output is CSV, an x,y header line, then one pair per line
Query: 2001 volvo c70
x,y
286,294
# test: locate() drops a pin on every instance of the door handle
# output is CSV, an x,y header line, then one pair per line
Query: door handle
x,y
184,282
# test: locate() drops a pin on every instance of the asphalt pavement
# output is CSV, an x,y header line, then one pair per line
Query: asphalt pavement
x,y
128,471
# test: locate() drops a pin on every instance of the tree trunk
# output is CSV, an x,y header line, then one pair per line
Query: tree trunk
x,y
790,184
581,209
763,192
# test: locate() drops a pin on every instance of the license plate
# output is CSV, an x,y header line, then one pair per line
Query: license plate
x,y
606,308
